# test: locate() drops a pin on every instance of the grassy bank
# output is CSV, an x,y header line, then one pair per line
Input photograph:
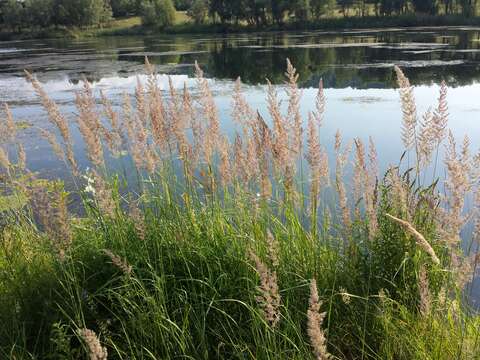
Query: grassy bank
x,y
253,248
184,25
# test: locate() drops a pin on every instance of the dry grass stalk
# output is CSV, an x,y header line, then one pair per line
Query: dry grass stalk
x,y
319,104
119,262
269,296
242,113
138,219
423,287
262,139
95,349
273,249
341,159
113,138
315,319
103,194
90,124
440,116
9,131
419,238
427,139
52,212
57,148
225,166
57,119
398,191
409,110
293,116
4,161
21,157
210,113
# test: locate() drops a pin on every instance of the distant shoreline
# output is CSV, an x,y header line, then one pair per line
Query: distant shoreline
x,y
350,23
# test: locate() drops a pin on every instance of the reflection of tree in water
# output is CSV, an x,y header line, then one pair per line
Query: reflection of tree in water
x,y
361,60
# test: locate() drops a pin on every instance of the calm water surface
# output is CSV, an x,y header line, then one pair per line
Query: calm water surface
x,y
356,67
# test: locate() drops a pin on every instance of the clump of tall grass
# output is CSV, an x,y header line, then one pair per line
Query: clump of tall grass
x,y
210,250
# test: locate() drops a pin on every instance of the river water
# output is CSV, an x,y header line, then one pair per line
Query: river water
x,y
356,66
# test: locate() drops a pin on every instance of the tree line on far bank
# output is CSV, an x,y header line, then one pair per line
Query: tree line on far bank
x,y
19,14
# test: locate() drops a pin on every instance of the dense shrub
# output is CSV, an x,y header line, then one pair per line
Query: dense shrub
x,y
158,13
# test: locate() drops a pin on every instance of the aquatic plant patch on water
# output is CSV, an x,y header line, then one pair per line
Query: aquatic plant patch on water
x,y
203,246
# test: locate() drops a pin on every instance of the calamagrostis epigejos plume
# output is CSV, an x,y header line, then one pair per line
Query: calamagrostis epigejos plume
x,y
57,148
242,113
315,319
269,296
4,161
262,138
52,212
8,131
138,219
419,238
103,194
319,104
119,262
427,139
294,117
57,119
440,116
341,157
114,136
424,290
409,109
273,249
89,124
281,150
225,166
210,113
21,157
95,349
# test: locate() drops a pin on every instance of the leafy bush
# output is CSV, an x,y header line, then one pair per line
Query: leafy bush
x,y
158,13
198,11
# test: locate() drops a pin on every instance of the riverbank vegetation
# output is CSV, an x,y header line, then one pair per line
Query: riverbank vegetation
x,y
253,246
55,17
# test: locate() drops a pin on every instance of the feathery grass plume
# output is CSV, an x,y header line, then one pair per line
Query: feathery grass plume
x,y
21,157
193,121
138,219
57,119
89,124
269,296
313,157
180,121
262,138
346,297
281,150
95,349
359,178
294,117
114,136
319,104
141,103
409,110
424,290
240,167
440,116
103,194
315,319
419,238
210,113
273,249
242,113
9,131
51,209
427,139
340,161
119,262
398,191
370,194
225,166
57,148
4,161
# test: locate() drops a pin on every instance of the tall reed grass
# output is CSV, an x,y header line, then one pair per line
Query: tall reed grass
x,y
230,248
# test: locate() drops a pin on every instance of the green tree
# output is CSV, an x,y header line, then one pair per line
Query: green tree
x,y
345,5
13,14
124,7
81,12
158,13
184,5
321,7
469,7
278,9
198,11
39,12
425,6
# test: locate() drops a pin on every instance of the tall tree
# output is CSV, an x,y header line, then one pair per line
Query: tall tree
x,y
425,6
